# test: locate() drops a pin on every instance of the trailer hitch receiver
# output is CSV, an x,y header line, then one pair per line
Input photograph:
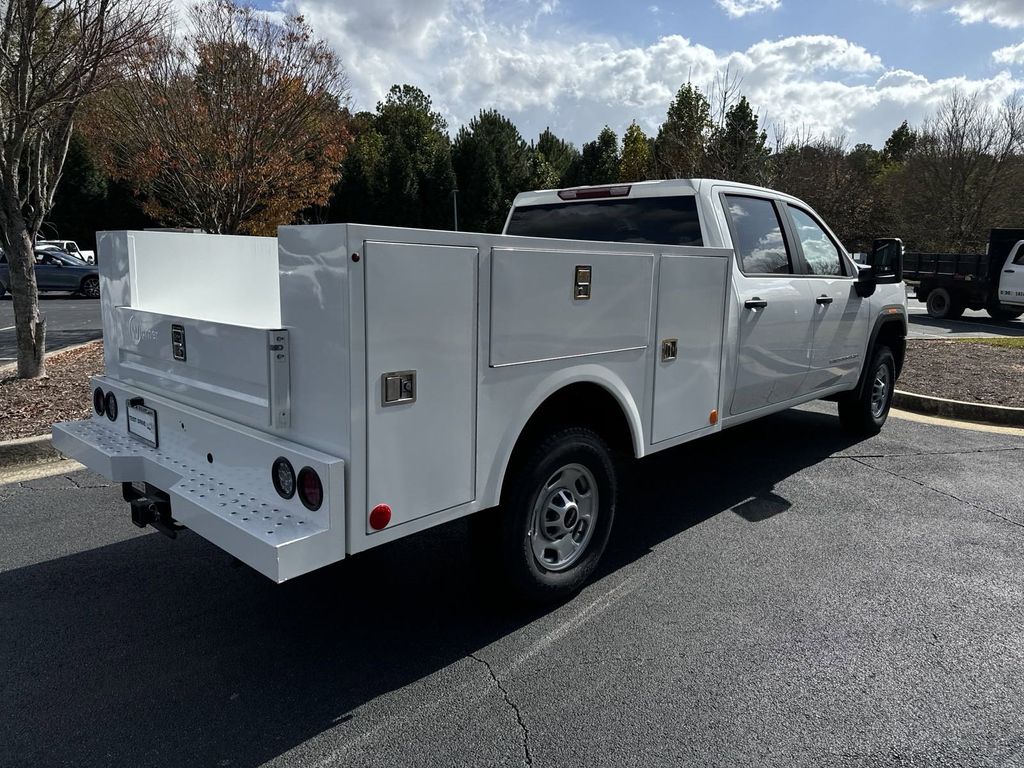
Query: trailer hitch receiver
x,y
151,507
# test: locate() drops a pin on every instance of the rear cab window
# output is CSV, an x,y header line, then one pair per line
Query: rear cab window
x,y
664,220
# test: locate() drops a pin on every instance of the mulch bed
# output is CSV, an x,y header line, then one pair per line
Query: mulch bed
x,y
31,406
965,370
959,370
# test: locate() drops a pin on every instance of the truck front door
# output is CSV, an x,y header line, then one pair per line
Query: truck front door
x,y
1011,282
840,316
775,308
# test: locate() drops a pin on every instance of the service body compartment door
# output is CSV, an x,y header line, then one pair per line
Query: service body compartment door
x,y
691,317
421,341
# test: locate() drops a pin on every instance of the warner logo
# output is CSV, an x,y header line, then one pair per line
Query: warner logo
x,y
138,333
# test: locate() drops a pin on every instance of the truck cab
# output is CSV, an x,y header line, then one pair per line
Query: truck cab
x,y
796,323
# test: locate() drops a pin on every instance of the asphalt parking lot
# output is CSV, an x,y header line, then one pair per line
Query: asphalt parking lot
x,y
69,320
774,596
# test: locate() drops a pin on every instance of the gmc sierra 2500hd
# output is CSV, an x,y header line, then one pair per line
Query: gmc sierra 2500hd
x,y
341,386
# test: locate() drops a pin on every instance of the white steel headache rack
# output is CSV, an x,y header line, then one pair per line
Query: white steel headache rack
x,y
398,366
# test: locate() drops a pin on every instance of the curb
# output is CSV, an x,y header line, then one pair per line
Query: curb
x,y
999,415
15,454
8,367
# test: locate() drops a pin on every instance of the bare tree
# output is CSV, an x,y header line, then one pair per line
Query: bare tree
x,y
53,54
955,184
235,126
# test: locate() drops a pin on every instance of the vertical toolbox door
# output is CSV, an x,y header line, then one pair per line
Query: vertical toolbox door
x,y
691,314
421,341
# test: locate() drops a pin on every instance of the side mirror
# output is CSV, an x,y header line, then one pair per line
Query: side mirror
x,y
884,266
886,260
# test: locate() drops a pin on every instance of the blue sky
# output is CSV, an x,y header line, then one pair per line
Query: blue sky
x,y
855,68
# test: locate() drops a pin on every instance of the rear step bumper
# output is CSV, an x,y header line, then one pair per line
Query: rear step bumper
x,y
225,505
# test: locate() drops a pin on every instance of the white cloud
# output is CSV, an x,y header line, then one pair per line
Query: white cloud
x,y
1003,13
1011,54
738,8
528,61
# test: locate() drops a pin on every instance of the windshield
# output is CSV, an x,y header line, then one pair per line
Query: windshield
x,y
661,220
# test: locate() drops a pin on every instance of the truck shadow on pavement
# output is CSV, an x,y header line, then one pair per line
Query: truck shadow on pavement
x,y
151,652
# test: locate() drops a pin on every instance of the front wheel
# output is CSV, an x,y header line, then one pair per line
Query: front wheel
x,y
995,312
558,515
864,414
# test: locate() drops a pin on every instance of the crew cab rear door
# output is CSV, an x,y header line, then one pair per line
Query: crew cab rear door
x,y
775,307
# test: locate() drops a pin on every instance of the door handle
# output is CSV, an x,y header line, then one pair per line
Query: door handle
x,y
824,300
1009,271
755,303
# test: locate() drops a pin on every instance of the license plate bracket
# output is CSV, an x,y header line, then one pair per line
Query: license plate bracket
x,y
142,422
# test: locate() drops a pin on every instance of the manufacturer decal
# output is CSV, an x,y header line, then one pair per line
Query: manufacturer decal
x,y
138,333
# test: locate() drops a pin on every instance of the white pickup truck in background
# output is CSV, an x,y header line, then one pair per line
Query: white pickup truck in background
x,y
300,399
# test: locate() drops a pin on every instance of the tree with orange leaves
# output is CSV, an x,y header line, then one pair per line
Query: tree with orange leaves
x,y
233,127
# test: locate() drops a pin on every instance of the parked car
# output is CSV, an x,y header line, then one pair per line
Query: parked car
x,y
57,271
70,246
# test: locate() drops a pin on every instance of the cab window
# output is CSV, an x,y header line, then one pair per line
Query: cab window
x,y
757,232
820,253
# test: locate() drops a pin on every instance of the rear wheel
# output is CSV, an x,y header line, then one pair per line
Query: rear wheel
x,y
865,413
558,515
90,287
941,305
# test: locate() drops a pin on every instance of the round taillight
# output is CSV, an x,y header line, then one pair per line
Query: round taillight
x,y
98,404
110,406
284,478
311,490
380,516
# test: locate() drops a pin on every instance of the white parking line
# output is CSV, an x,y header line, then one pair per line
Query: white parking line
x,y
8,328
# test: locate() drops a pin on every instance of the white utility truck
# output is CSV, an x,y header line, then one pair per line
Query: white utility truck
x,y
301,399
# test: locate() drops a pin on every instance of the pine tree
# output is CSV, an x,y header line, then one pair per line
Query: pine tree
x,y
599,163
492,164
635,163
681,145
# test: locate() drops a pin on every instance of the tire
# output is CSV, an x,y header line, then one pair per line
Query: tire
x,y
90,287
3,290
557,515
942,306
996,313
865,413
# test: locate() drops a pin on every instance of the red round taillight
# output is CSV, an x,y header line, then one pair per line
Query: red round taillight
x,y
380,516
110,406
98,401
311,490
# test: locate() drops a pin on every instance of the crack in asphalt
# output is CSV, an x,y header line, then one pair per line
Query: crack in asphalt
x,y
939,491
508,700
926,453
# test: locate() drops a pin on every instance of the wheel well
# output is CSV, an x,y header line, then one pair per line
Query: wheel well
x,y
893,335
579,405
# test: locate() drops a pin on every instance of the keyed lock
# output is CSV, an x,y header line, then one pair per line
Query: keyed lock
x,y
669,350
398,387
584,279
